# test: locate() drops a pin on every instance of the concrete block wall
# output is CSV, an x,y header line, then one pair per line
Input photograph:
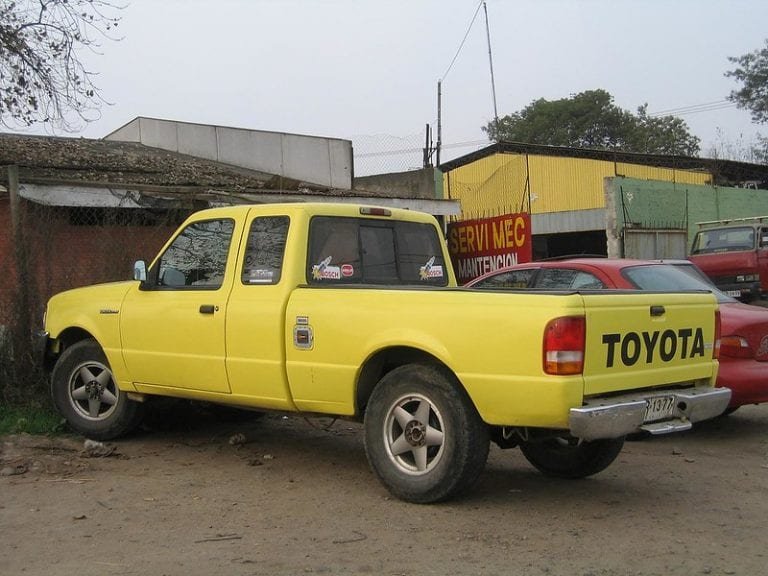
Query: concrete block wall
x,y
316,160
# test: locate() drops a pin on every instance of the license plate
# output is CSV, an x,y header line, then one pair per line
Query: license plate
x,y
659,408
734,293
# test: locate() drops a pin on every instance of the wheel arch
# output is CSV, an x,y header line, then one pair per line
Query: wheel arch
x,y
64,340
386,360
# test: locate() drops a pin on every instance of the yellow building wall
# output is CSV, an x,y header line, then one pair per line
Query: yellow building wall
x,y
503,183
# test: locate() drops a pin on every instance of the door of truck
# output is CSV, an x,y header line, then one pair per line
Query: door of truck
x,y
255,324
172,327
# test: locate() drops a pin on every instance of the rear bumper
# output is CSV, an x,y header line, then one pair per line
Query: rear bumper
x,y
747,378
621,415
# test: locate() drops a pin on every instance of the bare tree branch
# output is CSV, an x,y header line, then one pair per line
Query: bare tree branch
x,y
42,77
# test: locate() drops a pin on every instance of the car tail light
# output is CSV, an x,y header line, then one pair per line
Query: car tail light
x,y
564,340
735,347
716,347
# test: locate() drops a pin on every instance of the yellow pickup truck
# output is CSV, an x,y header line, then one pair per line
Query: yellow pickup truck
x,y
353,311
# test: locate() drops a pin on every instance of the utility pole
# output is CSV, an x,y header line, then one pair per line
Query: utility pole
x,y
439,123
490,61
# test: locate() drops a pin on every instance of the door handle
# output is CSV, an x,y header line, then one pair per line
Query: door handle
x,y
657,311
208,308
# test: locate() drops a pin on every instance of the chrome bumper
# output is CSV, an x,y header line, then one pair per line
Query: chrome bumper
x,y
621,415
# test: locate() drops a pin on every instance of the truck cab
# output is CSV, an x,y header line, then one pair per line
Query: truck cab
x,y
734,254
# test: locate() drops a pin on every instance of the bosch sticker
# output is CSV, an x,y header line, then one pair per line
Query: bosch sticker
x,y
429,270
324,271
347,270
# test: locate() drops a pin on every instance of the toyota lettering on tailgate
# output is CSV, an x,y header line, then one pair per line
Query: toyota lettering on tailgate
x,y
665,345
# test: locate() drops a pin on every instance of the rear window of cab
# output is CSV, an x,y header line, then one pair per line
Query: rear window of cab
x,y
346,250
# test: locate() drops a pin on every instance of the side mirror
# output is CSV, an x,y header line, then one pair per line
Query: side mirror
x,y
140,271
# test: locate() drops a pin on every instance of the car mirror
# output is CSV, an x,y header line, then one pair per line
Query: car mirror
x,y
140,271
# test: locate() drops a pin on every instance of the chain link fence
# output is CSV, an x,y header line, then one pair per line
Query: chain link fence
x,y
385,153
48,249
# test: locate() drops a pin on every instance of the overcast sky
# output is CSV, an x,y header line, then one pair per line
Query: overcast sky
x,y
368,69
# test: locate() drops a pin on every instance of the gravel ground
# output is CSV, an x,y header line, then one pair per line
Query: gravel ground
x,y
282,495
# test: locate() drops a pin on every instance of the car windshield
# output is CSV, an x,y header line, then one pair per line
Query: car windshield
x,y
672,278
724,240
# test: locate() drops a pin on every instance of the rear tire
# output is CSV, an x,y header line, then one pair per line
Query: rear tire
x,y
569,457
86,394
423,437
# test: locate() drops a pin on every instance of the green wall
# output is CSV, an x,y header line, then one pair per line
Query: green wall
x,y
665,205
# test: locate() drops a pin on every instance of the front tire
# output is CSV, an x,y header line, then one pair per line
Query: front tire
x,y
567,457
86,394
423,437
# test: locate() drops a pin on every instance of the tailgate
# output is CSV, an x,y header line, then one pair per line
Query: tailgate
x,y
639,340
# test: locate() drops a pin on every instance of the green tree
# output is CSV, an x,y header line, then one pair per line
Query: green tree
x,y
752,73
42,78
591,120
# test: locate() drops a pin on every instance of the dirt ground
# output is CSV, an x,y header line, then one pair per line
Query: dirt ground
x,y
281,495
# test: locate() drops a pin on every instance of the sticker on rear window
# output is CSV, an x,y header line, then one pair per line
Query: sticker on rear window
x,y
324,271
429,270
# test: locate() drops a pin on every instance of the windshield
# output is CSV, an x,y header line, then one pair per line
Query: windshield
x,y
724,240
671,278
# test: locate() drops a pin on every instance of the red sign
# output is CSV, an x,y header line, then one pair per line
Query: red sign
x,y
481,246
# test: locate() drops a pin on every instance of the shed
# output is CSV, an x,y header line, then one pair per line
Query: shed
x,y
564,189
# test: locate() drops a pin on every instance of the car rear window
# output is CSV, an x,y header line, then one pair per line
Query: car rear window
x,y
669,278
368,251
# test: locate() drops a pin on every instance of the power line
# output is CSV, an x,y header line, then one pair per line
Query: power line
x,y
695,108
412,150
466,34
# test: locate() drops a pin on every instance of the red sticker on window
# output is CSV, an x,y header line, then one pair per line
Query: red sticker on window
x,y
347,270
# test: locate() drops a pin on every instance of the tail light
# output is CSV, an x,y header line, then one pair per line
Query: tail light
x,y
735,347
564,340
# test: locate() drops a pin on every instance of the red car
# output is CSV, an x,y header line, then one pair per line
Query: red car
x,y
744,328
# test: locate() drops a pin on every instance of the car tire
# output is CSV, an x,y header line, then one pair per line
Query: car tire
x,y
567,457
423,436
86,394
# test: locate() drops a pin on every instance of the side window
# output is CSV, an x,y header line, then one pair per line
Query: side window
x,y
263,261
763,237
197,258
566,278
514,279
586,281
